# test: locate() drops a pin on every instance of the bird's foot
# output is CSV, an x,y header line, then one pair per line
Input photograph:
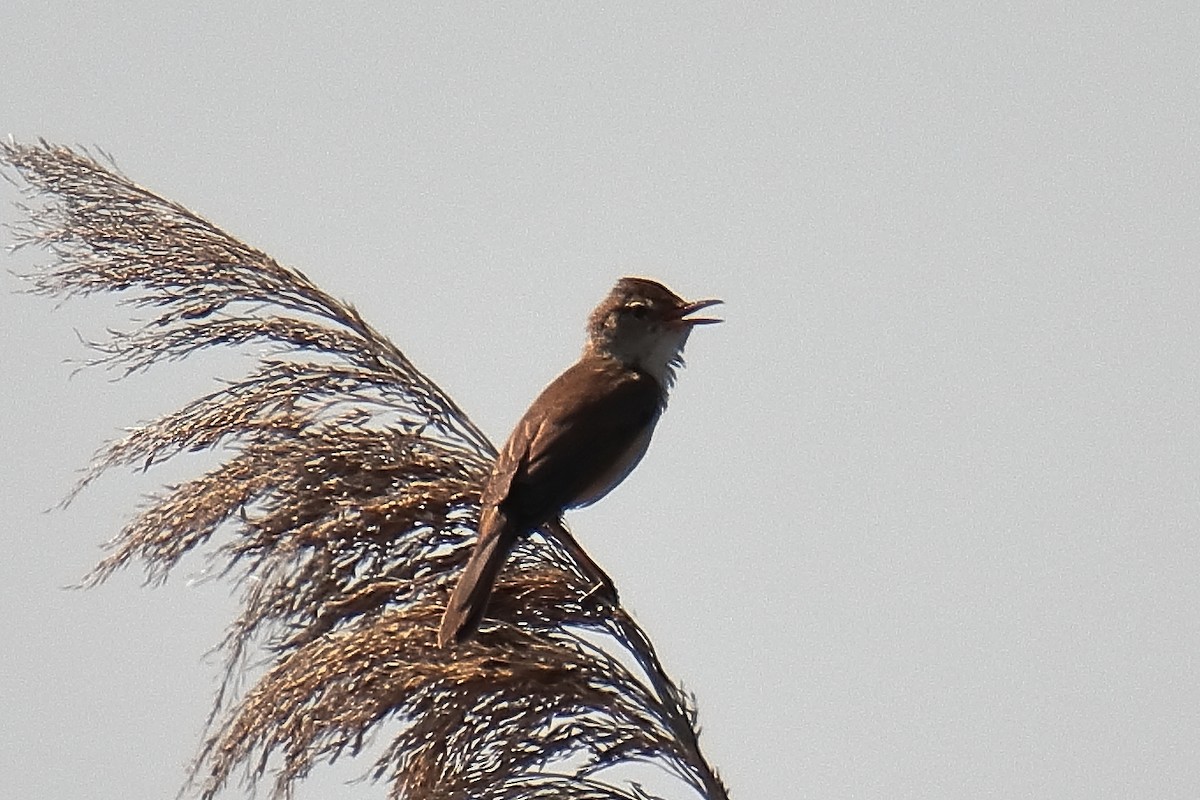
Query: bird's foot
x,y
603,589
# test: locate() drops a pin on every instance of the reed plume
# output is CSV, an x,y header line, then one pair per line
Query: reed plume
x,y
343,506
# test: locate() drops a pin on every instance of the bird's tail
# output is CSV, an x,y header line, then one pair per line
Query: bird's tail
x,y
469,599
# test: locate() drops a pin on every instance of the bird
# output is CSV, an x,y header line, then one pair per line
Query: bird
x,y
581,436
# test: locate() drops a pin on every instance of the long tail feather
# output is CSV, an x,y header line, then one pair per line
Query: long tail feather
x,y
469,600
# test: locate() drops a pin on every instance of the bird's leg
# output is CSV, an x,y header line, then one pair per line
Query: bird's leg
x,y
604,584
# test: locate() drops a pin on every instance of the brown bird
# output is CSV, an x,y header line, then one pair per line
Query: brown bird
x,y
583,434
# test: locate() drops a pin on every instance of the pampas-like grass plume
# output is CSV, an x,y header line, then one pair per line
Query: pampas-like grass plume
x,y
343,507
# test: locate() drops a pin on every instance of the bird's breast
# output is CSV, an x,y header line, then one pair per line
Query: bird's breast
x,y
615,472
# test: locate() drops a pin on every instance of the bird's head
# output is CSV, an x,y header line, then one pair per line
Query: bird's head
x,y
644,324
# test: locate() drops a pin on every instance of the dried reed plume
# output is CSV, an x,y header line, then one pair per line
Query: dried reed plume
x,y
345,501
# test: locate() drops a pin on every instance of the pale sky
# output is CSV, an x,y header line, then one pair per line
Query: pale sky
x,y
922,518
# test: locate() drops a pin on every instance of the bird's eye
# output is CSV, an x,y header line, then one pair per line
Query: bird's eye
x,y
638,309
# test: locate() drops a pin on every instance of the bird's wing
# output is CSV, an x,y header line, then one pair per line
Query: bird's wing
x,y
582,435
579,439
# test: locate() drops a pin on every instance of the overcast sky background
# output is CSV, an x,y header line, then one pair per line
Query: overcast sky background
x,y
922,518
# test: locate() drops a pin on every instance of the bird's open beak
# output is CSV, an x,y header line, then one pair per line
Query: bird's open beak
x,y
681,314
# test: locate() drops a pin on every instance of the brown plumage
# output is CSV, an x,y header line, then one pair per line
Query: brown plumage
x,y
583,434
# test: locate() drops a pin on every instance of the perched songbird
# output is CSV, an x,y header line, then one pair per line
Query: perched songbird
x,y
583,434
